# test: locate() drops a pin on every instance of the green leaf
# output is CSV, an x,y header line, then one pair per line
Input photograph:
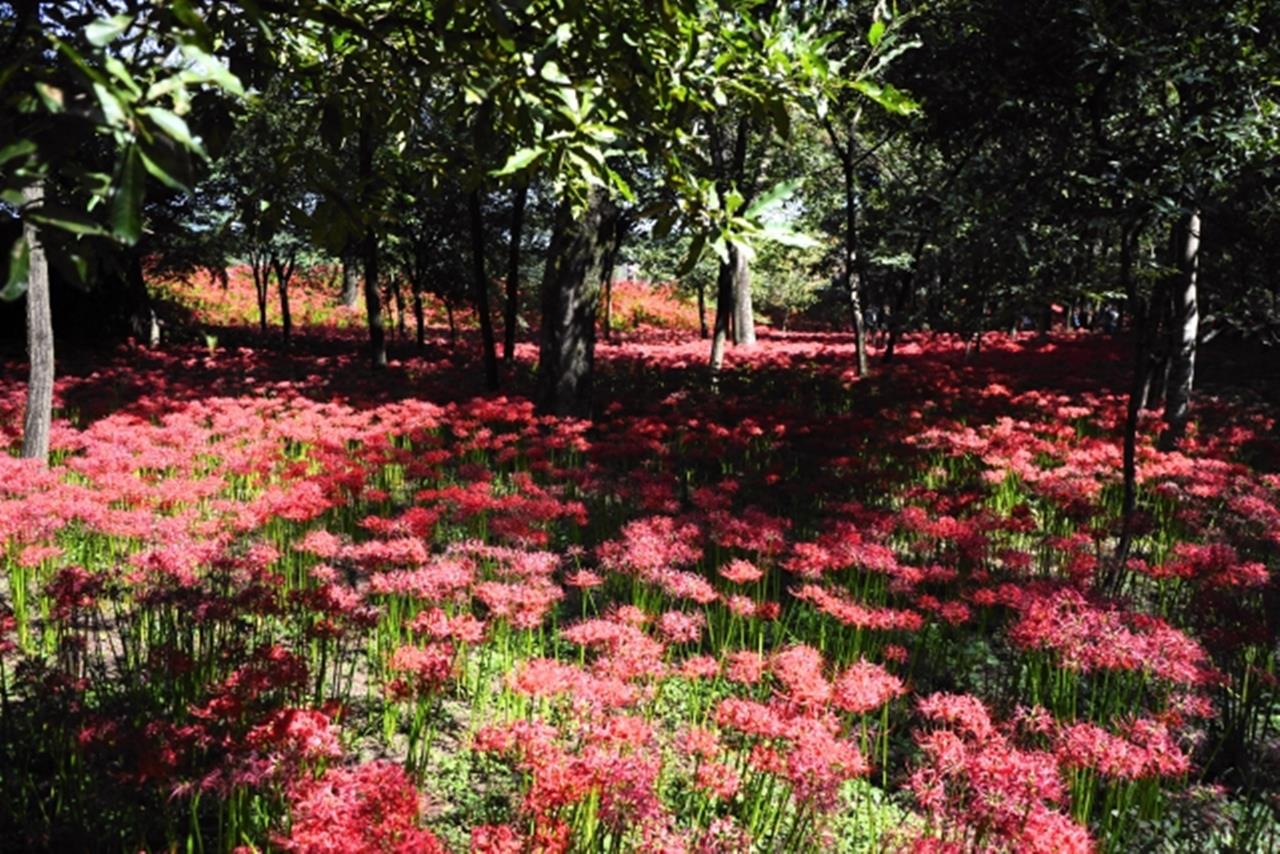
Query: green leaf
x,y
163,168
52,97
173,126
892,99
876,33
21,148
126,203
112,111
519,161
721,248
19,262
620,184
692,257
206,68
773,199
67,220
732,201
787,237
101,32
552,74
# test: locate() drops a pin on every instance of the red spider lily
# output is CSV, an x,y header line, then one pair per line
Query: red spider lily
x,y
369,807
741,571
864,687
420,670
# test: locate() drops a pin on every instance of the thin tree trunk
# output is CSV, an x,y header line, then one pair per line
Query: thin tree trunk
x,y
606,274
372,299
350,281
1141,316
702,309
744,322
852,276
260,263
570,299
480,292
453,326
38,421
1184,330
284,272
512,309
397,294
418,315
724,311
1129,501
729,175
903,295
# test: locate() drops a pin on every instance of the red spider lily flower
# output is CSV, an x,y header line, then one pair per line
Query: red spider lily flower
x,y
496,839
679,627
799,669
420,670
740,571
744,666
718,780
864,687
352,810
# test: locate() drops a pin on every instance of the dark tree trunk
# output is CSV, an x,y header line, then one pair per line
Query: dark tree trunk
x,y
418,317
260,263
511,311
453,326
702,309
570,297
902,297
724,313
38,420
852,275
606,273
1184,331
373,302
846,151
284,268
730,175
1141,317
372,299
480,292
397,294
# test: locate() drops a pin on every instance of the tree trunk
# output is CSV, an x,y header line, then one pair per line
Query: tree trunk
x,y
724,311
606,274
1141,316
852,276
480,292
373,302
39,416
453,326
902,297
1184,330
418,317
744,322
512,308
372,299
702,309
260,263
397,294
570,297
350,281
284,272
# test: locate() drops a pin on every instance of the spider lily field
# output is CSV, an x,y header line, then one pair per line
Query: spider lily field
x,y
261,602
